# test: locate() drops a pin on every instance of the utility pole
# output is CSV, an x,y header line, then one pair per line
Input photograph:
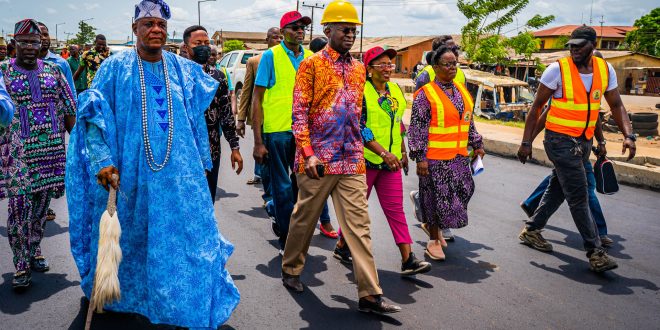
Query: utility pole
x,y
602,20
199,17
314,6
68,34
297,5
591,13
361,29
57,40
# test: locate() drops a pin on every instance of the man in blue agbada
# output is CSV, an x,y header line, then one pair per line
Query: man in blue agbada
x,y
143,119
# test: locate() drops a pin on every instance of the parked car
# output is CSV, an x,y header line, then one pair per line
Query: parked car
x,y
235,62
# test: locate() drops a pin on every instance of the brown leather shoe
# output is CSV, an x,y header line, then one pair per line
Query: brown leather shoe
x,y
292,282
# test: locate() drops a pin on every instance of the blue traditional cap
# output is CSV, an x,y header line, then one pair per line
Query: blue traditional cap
x,y
27,26
152,8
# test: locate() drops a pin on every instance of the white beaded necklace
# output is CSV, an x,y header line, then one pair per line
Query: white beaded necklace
x,y
145,125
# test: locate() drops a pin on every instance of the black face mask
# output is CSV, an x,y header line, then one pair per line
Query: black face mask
x,y
201,54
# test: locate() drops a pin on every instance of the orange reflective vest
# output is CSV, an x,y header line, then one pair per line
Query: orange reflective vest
x,y
448,131
576,112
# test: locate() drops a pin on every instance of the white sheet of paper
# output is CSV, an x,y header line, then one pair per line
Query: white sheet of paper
x,y
477,166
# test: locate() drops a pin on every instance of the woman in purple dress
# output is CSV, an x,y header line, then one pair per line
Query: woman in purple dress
x,y
440,131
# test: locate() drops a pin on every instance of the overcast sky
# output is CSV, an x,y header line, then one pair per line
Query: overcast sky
x,y
381,17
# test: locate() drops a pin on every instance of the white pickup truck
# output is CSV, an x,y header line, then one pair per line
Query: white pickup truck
x,y
235,62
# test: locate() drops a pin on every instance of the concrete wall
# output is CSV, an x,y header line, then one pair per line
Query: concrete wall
x,y
632,60
413,54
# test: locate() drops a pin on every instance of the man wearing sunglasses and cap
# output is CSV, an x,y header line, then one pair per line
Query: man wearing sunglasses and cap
x,y
272,102
575,86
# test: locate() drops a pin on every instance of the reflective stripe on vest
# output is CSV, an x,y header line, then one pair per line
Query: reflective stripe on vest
x,y
448,131
460,75
278,99
386,130
576,112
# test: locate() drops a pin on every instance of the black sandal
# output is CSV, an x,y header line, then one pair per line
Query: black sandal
x,y
50,215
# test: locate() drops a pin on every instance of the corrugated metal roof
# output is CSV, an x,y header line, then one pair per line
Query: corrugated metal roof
x,y
616,31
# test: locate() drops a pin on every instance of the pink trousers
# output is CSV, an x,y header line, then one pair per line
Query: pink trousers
x,y
389,187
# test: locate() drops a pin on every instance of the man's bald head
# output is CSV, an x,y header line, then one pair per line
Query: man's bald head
x,y
273,37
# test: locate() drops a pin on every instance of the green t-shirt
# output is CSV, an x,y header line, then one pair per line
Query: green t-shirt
x,y
81,82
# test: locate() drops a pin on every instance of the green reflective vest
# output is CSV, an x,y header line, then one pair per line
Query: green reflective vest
x,y
460,76
387,130
278,100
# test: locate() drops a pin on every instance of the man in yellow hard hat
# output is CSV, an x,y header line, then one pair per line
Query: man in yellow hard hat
x,y
327,104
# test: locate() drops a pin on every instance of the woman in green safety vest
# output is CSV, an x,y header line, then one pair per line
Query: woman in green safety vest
x,y
385,150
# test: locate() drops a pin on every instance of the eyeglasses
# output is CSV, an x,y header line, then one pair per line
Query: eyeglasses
x,y
29,44
348,30
448,64
384,66
298,27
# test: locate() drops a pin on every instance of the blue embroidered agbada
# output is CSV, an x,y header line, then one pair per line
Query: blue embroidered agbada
x,y
173,268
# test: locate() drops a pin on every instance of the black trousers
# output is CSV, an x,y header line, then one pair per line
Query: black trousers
x,y
212,178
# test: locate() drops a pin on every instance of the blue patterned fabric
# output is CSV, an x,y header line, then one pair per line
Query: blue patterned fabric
x,y
6,104
173,270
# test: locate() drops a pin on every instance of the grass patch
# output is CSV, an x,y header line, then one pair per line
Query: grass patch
x,y
511,123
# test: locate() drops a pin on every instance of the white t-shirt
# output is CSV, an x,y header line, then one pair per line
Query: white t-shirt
x,y
551,78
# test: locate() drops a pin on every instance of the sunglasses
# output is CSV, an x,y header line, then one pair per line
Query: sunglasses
x,y
29,44
384,66
448,64
298,27
348,30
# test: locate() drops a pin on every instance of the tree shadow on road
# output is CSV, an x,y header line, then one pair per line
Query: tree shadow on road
x,y
313,265
574,240
43,287
321,316
460,265
611,283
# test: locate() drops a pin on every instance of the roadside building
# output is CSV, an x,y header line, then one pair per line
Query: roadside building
x,y
609,37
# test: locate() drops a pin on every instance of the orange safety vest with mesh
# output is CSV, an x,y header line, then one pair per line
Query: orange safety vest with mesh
x,y
576,112
448,131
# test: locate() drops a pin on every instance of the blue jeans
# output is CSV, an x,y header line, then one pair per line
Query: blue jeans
x,y
281,148
325,214
264,173
532,202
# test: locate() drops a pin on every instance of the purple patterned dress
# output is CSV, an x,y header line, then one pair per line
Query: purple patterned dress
x,y
446,191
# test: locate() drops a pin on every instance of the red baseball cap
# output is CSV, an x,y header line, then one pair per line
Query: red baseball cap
x,y
376,52
292,17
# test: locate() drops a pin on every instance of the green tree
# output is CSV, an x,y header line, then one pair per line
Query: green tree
x,y
232,45
524,44
646,37
487,18
85,35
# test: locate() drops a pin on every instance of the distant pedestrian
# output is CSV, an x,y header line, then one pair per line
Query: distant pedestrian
x,y
47,56
91,60
3,49
570,125
441,129
385,151
33,159
74,63
327,104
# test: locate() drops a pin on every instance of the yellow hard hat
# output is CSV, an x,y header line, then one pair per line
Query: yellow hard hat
x,y
340,11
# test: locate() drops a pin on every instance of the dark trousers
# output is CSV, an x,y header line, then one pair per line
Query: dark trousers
x,y
533,201
568,181
281,148
212,178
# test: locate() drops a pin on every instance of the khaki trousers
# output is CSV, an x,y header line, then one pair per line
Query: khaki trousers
x,y
349,196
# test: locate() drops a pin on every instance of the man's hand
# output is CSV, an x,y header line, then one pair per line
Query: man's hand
x,y
259,153
524,153
240,128
480,152
601,151
630,145
404,162
310,167
391,161
236,161
423,168
104,177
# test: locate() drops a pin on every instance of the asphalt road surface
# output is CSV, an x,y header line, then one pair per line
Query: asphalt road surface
x,y
489,280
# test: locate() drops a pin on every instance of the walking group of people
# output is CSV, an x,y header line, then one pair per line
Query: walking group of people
x,y
324,124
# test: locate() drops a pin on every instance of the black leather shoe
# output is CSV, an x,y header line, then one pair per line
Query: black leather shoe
x,y
22,280
39,264
292,283
379,307
343,254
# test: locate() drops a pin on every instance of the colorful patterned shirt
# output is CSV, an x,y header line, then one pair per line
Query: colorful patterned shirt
x,y
32,146
219,114
92,60
327,104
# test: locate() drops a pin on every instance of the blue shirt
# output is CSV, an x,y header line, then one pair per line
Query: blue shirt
x,y
64,66
266,71
6,105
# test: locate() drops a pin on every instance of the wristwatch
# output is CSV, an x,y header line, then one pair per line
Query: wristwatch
x,y
602,143
632,137
526,144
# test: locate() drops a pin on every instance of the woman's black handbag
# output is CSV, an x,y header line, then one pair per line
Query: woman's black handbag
x,y
606,182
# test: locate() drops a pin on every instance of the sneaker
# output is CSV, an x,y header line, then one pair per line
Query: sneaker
x,y
448,235
281,252
21,280
606,241
343,254
529,212
414,266
600,262
414,197
378,307
533,239
50,215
